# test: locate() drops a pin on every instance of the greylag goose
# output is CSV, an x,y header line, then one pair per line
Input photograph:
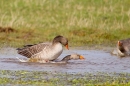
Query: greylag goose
x,y
64,60
123,48
45,51
69,57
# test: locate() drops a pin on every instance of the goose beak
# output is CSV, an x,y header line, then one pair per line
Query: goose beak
x,y
81,57
67,46
119,43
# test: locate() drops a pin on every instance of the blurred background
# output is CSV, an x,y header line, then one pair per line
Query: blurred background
x,y
83,22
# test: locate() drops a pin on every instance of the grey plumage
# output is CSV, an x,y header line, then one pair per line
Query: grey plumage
x,y
30,50
45,51
123,48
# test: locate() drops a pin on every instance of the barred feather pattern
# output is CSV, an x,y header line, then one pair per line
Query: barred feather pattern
x,y
31,50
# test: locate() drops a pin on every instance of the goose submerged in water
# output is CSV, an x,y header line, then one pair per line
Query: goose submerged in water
x,y
45,51
64,60
123,48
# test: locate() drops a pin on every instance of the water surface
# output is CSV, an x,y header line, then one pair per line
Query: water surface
x,y
95,60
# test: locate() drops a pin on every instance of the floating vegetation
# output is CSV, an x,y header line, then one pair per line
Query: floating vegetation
x,y
8,77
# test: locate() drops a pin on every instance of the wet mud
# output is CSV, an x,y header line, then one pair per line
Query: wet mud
x,y
95,61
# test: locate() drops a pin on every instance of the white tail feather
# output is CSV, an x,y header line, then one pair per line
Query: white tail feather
x,y
21,60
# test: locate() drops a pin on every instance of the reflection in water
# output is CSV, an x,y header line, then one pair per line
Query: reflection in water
x,y
95,60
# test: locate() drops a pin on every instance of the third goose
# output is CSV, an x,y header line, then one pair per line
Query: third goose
x,y
123,48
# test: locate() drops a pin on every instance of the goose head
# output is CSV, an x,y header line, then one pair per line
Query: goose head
x,y
72,56
120,46
62,40
76,56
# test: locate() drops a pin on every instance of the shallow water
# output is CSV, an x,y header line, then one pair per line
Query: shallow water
x,y
95,61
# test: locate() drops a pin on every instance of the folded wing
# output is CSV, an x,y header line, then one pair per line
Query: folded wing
x,y
30,50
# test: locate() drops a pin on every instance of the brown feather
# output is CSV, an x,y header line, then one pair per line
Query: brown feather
x,y
30,50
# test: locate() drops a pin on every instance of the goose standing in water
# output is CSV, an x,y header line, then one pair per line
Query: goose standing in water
x,y
64,60
123,48
45,51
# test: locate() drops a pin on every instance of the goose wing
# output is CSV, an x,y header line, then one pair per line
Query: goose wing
x,y
30,50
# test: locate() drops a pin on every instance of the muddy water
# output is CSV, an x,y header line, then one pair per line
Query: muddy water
x,y
95,60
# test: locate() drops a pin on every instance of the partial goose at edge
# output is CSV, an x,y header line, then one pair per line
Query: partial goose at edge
x,y
123,48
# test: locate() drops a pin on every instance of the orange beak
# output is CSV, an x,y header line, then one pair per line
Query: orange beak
x,y
119,43
67,46
81,57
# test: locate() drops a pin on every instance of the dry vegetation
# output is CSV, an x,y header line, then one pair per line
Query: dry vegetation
x,y
83,22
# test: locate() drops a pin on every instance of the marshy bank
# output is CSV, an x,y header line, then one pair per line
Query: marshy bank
x,y
87,23
57,78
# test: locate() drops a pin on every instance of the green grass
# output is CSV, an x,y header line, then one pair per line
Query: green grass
x,y
63,79
83,22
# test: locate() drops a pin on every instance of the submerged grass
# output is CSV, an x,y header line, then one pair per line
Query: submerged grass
x,y
55,79
83,22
